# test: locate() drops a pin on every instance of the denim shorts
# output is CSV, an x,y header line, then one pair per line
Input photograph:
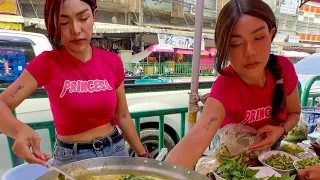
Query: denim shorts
x,y
63,155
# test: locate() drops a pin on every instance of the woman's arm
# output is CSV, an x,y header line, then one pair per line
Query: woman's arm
x,y
293,110
24,136
12,97
187,152
126,123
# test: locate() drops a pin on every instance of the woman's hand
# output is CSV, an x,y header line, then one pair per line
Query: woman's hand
x,y
25,139
273,134
311,173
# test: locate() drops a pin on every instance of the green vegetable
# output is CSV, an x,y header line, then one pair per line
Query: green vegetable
x,y
304,163
229,169
298,133
279,161
291,149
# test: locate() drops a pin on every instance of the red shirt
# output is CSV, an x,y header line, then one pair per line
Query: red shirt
x,y
248,104
82,95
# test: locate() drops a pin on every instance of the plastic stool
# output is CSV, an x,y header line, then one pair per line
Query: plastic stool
x,y
25,172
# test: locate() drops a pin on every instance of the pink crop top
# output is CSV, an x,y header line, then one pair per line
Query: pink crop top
x,y
82,95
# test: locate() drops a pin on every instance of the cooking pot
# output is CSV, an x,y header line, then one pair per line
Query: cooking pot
x,y
127,166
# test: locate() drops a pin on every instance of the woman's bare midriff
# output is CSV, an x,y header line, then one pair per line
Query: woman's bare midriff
x,y
91,134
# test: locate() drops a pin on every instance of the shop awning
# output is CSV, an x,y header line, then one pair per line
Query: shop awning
x,y
98,27
118,28
11,18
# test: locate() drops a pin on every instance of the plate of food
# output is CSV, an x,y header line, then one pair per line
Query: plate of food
x,y
304,163
279,161
230,169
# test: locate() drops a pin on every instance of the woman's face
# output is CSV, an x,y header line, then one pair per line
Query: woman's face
x,y
76,23
250,44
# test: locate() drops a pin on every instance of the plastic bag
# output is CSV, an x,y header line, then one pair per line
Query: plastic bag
x,y
206,165
300,131
236,139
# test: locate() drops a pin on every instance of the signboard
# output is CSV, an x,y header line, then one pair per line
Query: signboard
x,y
294,39
179,42
289,7
8,7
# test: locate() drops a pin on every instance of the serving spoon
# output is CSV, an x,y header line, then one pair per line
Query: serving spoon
x,y
60,171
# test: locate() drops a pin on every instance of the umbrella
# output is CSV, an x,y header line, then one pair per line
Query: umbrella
x,y
193,102
308,65
186,51
153,48
160,48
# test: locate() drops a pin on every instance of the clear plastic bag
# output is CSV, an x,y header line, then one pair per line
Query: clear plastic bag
x,y
206,165
236,139
300,131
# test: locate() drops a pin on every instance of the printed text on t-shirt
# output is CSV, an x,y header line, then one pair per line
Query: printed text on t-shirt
x,y
89,86
255,115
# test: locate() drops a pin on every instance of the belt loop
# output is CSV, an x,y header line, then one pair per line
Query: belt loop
x,y
75,148
110,140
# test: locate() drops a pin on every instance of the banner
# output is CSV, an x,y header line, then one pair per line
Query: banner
x,y
178,42
289,7
8,6
10,26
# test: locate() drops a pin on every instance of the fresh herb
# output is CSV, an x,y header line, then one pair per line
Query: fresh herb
x,y
229,169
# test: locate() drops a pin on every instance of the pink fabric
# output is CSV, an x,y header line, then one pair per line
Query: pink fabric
x,y
248,104
82,95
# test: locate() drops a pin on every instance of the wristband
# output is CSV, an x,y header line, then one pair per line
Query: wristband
x,y
285,129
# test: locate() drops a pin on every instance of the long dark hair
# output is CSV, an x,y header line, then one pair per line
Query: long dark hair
x,y
227,19
51,17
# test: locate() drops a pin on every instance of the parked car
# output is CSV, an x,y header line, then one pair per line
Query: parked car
x,y
307,68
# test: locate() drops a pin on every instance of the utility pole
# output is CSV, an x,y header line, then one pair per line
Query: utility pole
x,y
194,96
141,21
141,13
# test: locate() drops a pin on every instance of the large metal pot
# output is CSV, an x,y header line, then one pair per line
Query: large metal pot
x,y
125,165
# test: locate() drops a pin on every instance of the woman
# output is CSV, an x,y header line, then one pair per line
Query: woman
x,y
85,89
257,89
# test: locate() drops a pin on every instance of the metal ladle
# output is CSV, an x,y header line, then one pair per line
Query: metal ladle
x,y
60,171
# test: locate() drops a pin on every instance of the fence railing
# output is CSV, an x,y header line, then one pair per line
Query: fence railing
x,y
171,68
306,92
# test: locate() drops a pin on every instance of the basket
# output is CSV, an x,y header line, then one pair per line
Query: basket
x,y
312,116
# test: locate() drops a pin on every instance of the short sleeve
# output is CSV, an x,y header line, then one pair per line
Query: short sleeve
x,y
119,72
39,68
289,75
221,91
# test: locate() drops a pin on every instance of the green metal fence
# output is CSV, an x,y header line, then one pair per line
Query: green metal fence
x,y
171,69
306,92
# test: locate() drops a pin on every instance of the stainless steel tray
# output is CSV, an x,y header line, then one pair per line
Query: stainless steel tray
x,y
125,165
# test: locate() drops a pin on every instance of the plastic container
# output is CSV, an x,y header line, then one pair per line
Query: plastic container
x,y
312,116
25,172
266,155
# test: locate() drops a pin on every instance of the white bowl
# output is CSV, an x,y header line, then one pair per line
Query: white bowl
x,y
266,155
296,161
264,172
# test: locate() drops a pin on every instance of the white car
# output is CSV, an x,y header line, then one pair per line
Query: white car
x,y
306,69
